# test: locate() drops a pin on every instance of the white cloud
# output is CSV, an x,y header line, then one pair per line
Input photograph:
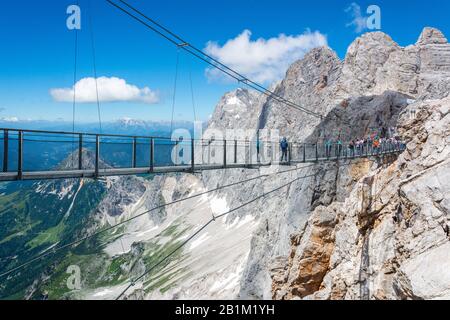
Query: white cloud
x,y
359,21
262,60
109,89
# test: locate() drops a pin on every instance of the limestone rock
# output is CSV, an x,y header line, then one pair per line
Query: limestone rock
x,y
395,246
431,36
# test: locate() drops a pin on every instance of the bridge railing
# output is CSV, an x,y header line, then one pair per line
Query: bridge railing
x,y
323,151
37,151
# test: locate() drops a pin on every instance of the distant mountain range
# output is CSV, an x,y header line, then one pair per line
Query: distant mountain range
x,y
126,126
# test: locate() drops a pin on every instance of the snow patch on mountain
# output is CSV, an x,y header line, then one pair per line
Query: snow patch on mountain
x,y
194,244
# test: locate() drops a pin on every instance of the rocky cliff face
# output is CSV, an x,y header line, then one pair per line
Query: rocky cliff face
x,y
376,82
389,239
373,67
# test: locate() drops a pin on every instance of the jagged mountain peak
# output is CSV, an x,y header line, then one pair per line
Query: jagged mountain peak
x,y
307,83
237,109
371,43
375,63
376,39
376,36
431,35
242,94
317,62
88,160
236,100
319,52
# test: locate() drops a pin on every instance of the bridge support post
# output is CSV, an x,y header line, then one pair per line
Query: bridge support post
x,y
80,151
304,153
224,153
192,155
152,155
235,151
176,152
133,161
317,152
209,151
20,156
202,149
289,153
97,154
5,150
247,153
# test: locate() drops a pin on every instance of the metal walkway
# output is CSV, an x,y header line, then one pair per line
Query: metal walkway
x,y
40,155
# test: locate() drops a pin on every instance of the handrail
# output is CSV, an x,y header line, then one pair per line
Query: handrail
x,y
75,135
82,133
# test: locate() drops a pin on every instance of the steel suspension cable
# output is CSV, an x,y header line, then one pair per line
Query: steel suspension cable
x,y
74,92
175,90
240,77
265,194
213,219
209,59
54,250
76,242
91,25
192,94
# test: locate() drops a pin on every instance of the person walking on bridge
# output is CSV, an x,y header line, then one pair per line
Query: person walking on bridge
x,y
351,147
284,145
376,145
258,149
338,148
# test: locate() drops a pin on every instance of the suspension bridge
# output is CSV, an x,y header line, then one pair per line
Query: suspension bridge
x,y
38,155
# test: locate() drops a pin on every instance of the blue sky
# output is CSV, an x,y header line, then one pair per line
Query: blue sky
x,y
37,52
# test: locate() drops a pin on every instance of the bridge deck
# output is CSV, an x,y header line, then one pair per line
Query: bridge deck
x,y
91,173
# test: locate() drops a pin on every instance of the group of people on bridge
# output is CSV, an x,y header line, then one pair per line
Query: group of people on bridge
x,y
373,144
